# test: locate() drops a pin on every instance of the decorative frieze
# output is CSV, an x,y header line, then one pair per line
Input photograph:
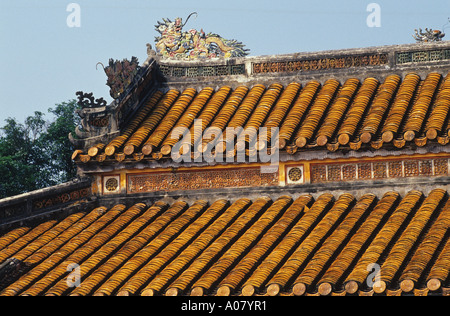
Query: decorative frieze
x,y
379,170
422,56
51,199
202,71
306,65
338,60
62,198
196,180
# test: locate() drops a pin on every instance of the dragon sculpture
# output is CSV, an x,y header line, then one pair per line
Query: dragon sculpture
x,y
428,36
174,43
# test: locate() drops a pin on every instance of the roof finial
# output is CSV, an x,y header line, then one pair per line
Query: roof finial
x,y
429,35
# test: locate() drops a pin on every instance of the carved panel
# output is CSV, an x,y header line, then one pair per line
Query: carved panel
x,y
404,58
295,175
334,173
203,71
320,64
61,198
99,121
422,56
379,170
426,168
365,171
395,169
195,180
411,168
441,167
349,172
318,173
418,57
436,55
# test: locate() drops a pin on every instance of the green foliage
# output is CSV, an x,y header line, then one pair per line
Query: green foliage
x,y
37,153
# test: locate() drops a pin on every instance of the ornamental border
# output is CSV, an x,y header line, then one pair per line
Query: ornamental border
x,y
202,71
317,64
303,65
169,181
379,169
421,56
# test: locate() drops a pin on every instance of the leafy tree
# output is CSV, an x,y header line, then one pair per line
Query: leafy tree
x,y
57,141
37,153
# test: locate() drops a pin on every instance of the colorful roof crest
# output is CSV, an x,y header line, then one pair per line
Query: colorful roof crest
x,y
174,43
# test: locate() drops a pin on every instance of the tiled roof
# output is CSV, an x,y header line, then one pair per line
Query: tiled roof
x,y
333,115
327,245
